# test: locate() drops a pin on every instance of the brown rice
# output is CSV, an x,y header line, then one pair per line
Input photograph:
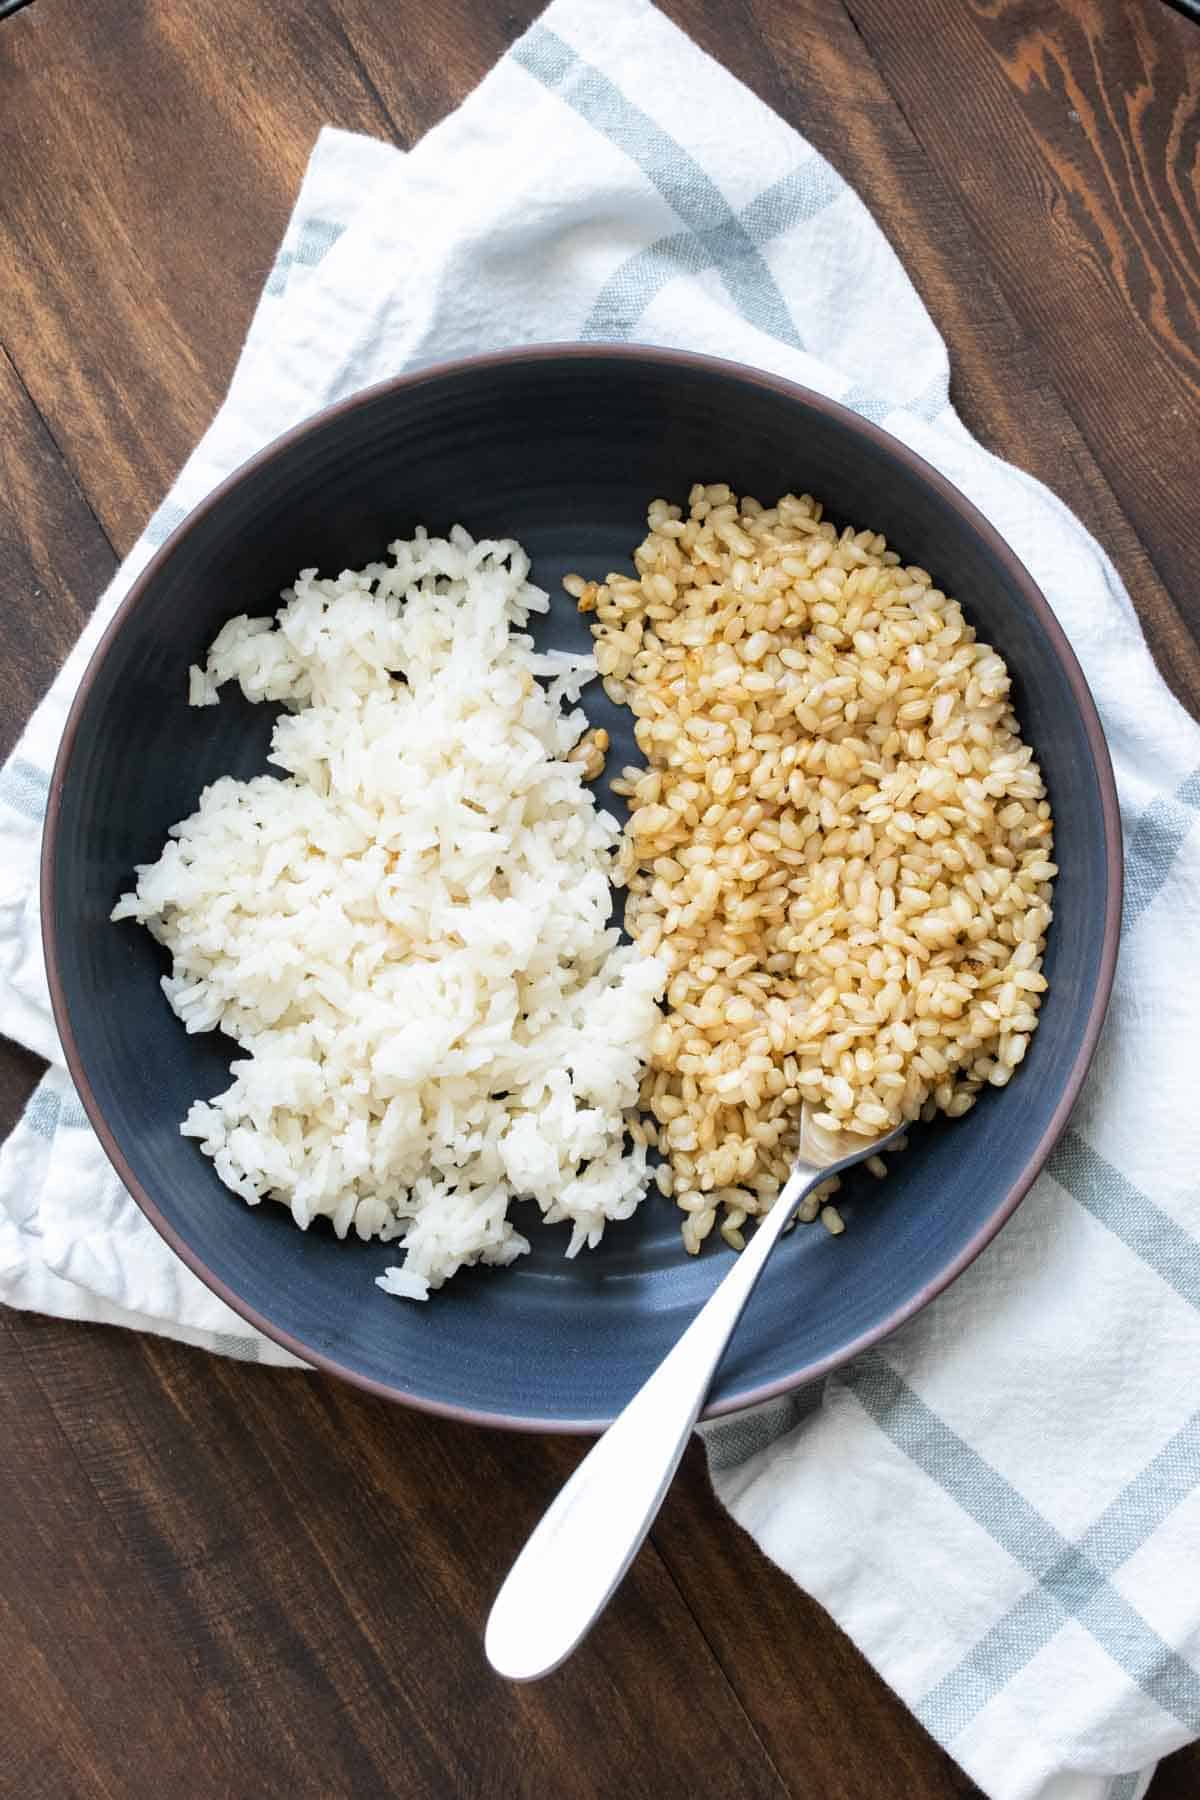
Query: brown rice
x,y
840,845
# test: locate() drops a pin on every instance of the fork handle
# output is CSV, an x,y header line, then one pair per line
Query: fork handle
x,y
565,1575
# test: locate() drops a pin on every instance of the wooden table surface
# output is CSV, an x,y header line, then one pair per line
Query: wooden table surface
x,y
218,1580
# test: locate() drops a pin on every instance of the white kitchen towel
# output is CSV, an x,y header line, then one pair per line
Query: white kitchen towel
x,y
1002,1505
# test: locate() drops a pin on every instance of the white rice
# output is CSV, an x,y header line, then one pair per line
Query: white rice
x,y
408,934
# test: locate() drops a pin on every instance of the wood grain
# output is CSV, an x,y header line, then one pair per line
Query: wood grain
x,y
54,560
159,150
55,557
219,1580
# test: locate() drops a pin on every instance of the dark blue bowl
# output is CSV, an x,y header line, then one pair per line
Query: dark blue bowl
x,y
561,447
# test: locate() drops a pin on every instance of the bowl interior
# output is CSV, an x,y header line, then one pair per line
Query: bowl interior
x,y
564,453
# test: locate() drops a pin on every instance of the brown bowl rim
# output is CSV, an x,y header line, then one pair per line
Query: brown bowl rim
x,y
1017,574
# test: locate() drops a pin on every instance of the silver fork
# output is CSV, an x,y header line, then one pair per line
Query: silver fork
x,y
574,1561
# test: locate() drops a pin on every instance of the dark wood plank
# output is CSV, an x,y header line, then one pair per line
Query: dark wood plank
x,y
152,154
73,1654
1178,1776
461,40
233,1580
54,560
54,555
